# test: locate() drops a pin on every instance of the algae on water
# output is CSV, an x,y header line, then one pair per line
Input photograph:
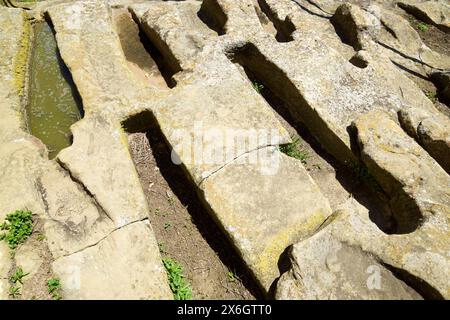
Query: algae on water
x,y
54,104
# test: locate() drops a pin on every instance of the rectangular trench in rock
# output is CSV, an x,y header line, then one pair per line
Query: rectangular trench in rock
x,y
183,228
54,103
212,15
157,50
282,30
337,181
144,60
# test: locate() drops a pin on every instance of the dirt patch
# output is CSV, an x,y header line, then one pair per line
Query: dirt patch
x,y
184,230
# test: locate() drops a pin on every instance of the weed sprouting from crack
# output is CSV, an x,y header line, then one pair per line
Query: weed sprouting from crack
x,y
292,150
162,248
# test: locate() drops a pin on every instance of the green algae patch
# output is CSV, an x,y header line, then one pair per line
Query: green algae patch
x,y
54,104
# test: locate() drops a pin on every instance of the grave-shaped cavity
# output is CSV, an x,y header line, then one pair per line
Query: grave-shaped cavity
x,y
156,47
284,28
144,60
185,231
54,103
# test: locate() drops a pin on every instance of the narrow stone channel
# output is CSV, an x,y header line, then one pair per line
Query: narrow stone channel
x,y
54,104
183,228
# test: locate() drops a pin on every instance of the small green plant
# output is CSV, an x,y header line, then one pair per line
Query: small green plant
x,y
292,150
180,288
160,213
18,276
54,288
257,86
167,225
162,248
171,200
18,227
40,237
422,26
432,96
232,276
14,291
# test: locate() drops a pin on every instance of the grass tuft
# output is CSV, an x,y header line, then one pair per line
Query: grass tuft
x,y
54,288
257,86
18,276
432,96
18,227
293,150
14,291
422,26
180,288
232,277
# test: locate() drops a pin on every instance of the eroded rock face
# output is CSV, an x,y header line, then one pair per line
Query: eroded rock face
x,y
176,30
381,267
20,153
337,66
386,34
326,268
432,133
416,184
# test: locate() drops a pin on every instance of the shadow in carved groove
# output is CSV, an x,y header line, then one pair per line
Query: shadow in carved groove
x,y
284,28
186,191
167,64
282,95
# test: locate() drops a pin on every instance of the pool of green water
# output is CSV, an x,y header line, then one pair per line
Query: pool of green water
x,y
54,103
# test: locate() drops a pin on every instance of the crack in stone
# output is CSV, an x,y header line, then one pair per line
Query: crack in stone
x,y
85,189
102,239
234,159
404,55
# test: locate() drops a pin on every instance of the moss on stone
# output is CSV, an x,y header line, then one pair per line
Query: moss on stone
x,y
21,59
